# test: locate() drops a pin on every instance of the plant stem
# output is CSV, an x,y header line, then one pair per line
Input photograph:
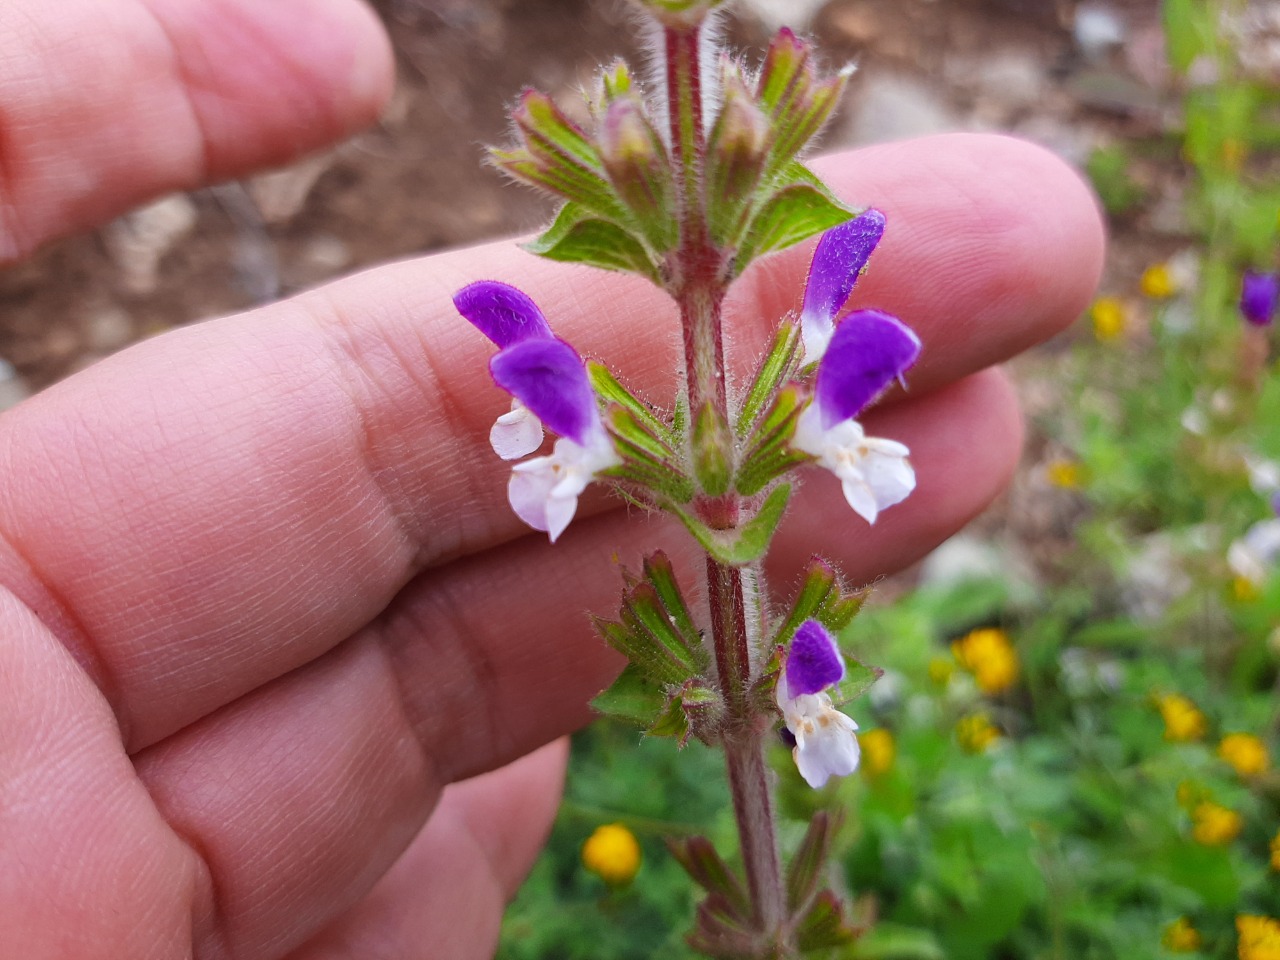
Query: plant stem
x,y
699,281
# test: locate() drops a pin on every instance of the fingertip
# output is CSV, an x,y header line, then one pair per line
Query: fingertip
x,y
269,81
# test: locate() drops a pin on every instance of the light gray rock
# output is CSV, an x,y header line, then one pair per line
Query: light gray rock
x,y
13,389
138,241
893,107
797,14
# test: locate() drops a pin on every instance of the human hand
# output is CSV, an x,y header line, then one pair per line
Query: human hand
x,y
273,640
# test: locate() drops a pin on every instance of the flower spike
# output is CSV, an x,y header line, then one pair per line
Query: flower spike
x,y
826,744
838,261
549,385
868,351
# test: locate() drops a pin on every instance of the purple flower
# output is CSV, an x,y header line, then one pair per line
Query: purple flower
x,y
549,384
866,353
825,741
1259,295
838,261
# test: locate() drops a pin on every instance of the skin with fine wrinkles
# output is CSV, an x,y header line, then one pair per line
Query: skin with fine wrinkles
x,y
249,568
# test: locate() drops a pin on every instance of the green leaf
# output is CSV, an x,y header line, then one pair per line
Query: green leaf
x,y
631,698
858,679
792,214
578,237
746,543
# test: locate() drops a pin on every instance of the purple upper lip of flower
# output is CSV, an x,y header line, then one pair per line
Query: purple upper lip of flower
x,y
867,352
1259,296
537,368
501,312
837,262
813,661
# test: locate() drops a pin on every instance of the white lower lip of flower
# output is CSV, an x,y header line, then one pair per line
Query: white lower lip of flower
x,y
826,741
516,434
874,473
544,491
1253,555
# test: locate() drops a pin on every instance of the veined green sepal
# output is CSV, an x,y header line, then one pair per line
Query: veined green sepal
x,y
823,925
778,365
821,597
712,451
768,447
804,871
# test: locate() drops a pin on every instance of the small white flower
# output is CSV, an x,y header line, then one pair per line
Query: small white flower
x,y
874,473
517,433
1255,554
826,741
544,491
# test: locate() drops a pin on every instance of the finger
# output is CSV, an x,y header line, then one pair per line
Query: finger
x,y
444,897
309,787
107,104
213,508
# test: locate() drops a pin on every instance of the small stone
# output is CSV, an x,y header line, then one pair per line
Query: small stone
x,y
893,107
139,240
774,14
281,194
108,329
1098,30
13,389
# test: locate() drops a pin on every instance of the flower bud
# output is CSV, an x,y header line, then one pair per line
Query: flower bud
x,y
736,153
635,159
799,104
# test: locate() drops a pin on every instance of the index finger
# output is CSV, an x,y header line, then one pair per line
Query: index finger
x,y
216,507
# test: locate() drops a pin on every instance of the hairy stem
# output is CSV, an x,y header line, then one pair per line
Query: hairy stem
x,y
699,280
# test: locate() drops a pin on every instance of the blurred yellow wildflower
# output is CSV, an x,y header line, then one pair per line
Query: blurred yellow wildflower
x,y
990,657
1246,753
878,751
1275,852
1191,793
1181,937
1259,938
976,732
1064,474
1183,721
1110,317
1234,153
940,670
1244,590
1215,825
612,853
1157,282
